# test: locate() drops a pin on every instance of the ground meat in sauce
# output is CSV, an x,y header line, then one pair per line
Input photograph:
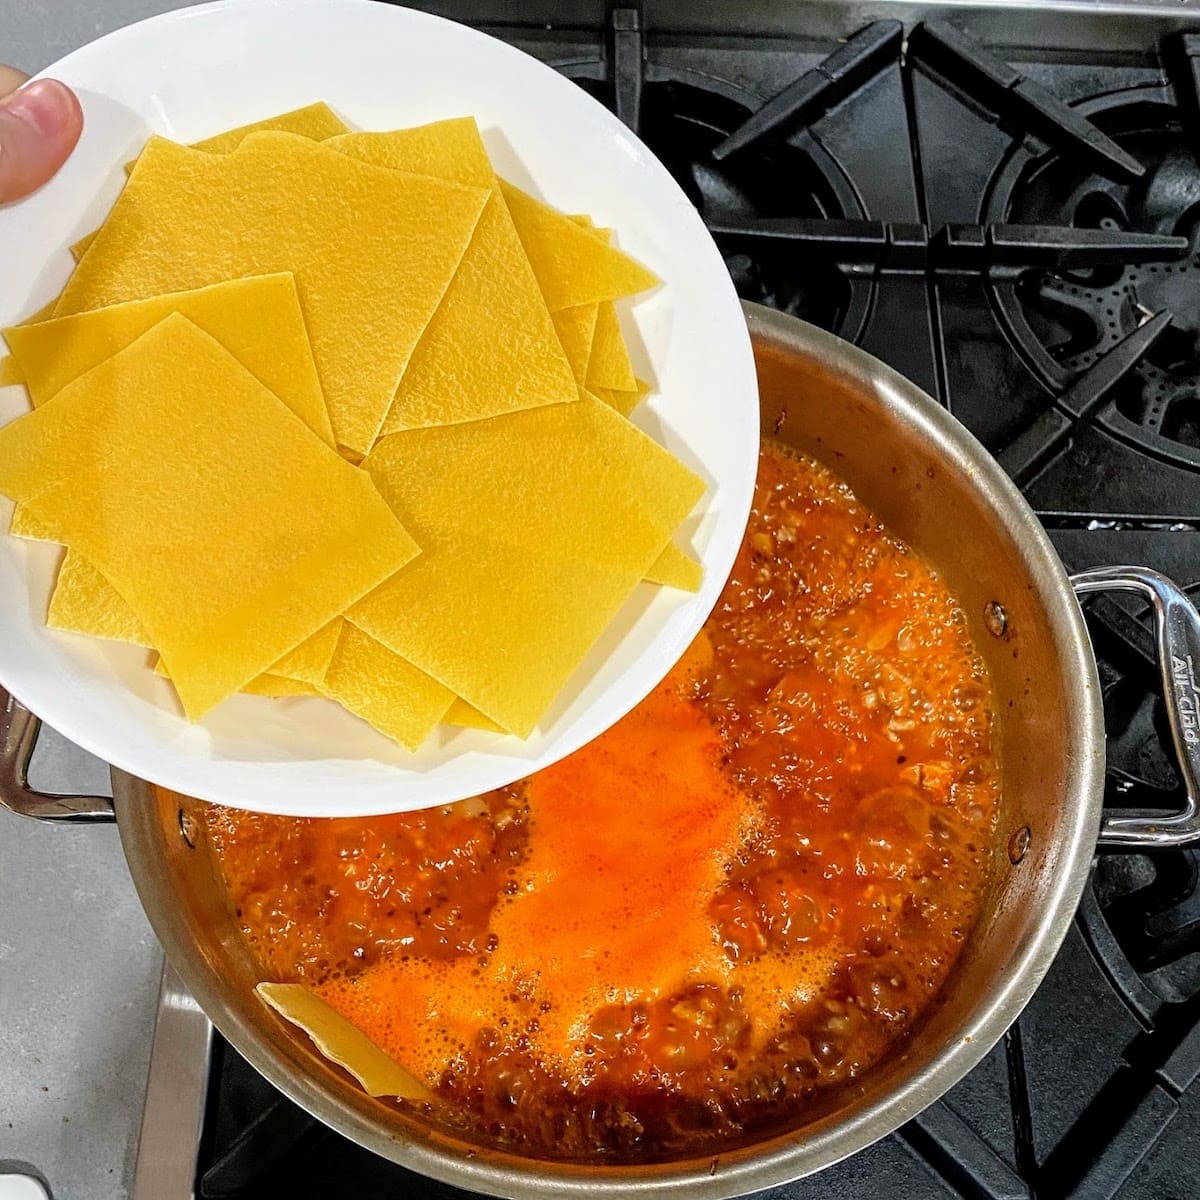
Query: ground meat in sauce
x,y
852,716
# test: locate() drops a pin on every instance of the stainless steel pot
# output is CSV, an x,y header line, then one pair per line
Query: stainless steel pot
x,y
932,483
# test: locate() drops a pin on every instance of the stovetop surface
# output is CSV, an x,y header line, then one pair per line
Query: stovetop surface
x,y
1016,230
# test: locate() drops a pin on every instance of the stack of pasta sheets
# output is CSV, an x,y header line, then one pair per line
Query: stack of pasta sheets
x,y
341,414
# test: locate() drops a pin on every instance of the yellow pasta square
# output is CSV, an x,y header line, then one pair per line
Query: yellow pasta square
x,y
258,320
491,347
383,689
24,524
372,250
624,402
304,667
575,328
317,122
608,364
84,601
343,1043
231,550
462,714
674,568
450,150
573,265
534,529
276,687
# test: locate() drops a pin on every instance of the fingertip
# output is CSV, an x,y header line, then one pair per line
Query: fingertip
x,y
71,111
40,124
71,108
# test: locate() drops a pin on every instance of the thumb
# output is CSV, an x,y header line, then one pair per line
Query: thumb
x,y
39,126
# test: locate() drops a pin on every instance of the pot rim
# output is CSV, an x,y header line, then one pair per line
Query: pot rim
x,y
833,1137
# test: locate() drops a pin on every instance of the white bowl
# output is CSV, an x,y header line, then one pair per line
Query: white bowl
x,y
192,73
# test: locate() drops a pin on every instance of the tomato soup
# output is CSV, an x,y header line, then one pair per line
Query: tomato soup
x,y
737,898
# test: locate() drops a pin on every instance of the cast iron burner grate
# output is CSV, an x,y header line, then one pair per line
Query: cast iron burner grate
x,y
1065,322
1152,906
684,116
683,124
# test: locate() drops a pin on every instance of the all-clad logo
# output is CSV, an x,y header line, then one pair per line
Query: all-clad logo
x,y
1187,697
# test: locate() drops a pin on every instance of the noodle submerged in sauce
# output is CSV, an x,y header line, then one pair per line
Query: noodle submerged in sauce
x,y
739,896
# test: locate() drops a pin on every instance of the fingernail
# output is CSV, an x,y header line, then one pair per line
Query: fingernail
x,y
44,104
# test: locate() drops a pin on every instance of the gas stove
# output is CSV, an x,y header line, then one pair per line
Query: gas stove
x,y
1003,202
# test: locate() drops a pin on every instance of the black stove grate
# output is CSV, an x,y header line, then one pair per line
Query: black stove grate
x,y
1066,320
1022,241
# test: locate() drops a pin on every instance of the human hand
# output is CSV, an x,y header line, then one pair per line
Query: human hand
x,y
39,126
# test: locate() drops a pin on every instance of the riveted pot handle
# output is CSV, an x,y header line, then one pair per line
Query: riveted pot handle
x,y
19,730
1177,636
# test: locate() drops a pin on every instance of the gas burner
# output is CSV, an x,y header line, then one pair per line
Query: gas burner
x,y
1065,322
683,116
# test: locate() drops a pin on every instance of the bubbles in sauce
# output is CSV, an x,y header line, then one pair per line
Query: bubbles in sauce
x,y
738,897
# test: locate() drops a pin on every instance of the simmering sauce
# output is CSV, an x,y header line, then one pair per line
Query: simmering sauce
x,y
738,897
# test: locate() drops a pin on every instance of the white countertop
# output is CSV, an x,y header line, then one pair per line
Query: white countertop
x,y
34,33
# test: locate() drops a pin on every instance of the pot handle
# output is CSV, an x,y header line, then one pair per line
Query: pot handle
x,y
1177,637
19,730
